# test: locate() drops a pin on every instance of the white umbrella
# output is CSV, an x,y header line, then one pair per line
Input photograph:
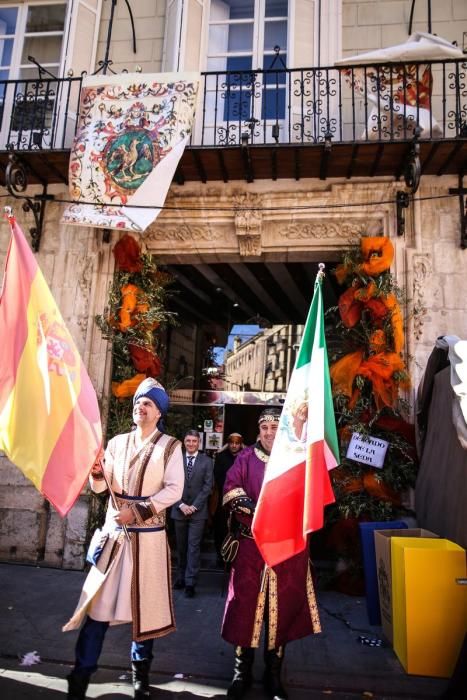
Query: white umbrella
x,y
418,47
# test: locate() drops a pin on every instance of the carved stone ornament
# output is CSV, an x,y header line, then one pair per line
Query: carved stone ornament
x,y
182,234
325,229
248,223
422,268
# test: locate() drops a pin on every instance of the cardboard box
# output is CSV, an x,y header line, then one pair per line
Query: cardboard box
x,y
429,608
369,564
383,566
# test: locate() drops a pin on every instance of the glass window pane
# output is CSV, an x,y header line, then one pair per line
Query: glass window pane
x,y
239,63
273,104
8,20
46,18
217,64
273,62
6,48
232,9
275,34
241,37
276,8
45,49
218,38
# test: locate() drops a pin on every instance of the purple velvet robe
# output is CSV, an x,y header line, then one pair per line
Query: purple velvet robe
x,y
283,593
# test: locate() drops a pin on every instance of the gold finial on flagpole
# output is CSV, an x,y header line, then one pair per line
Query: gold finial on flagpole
x,y
320,274
8,211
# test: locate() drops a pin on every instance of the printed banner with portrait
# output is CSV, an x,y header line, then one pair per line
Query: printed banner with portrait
x,y
131,134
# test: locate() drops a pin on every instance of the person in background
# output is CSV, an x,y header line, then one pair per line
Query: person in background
x,y
222,463
130,581
282,596
189,514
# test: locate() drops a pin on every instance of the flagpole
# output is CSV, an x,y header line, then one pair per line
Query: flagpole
x,y
320,275
113,499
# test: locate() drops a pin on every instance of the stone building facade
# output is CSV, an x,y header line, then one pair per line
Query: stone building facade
x,y
79,265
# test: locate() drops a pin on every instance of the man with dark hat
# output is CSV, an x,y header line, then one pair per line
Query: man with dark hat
x,y
130,581
282,596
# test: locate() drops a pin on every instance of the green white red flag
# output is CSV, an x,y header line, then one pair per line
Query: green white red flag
x,y
297,485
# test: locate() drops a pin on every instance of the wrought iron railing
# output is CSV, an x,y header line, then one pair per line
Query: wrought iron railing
x,y
288,106
38,114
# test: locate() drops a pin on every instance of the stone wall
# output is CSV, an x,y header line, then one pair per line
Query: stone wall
x,y
149,18
374,24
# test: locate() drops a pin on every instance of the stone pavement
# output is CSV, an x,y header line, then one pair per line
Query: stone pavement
x,y
194,662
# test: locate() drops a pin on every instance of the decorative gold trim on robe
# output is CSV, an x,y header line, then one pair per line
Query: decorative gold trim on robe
x,y
260,605
273,609
234,493
310,594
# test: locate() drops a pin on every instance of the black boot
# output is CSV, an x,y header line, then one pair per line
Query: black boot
x,y
77,686
273,659
242,676
140,678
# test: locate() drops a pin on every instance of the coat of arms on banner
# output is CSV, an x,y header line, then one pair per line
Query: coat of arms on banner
x,y
131,134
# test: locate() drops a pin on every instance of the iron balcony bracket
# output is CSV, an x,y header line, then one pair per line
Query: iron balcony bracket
x,y
412,167
16,181
402,203
462,192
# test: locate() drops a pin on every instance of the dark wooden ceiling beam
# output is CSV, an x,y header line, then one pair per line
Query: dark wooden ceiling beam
x,y
297,163
188,284
452,154
379,153
353,160
53,169
288,286
212,277
194,311
259,290
199,165
430,156
220,157
325,158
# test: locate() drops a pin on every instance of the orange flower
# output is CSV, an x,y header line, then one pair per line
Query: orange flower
x,y
378,253
129,299
343,372
377,341
350,310
127,254
123,390
377,488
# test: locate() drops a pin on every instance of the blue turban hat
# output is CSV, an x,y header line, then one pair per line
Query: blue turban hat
x,y
153,390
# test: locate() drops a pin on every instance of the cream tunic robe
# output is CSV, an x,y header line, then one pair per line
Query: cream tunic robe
x,y
131,582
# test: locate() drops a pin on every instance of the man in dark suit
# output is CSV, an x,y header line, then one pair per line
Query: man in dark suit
x,y
190,513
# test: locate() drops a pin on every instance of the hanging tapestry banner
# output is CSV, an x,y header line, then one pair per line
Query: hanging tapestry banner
x,y
131,134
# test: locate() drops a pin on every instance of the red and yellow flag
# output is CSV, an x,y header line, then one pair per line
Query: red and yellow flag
x,y
49,417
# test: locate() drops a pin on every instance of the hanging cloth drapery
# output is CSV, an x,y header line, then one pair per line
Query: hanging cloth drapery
x,y
131,134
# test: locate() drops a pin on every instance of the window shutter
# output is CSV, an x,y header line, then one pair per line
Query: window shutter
x,y
301,53
183,35
82,35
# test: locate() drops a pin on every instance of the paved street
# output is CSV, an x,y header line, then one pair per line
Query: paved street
x,y
194,662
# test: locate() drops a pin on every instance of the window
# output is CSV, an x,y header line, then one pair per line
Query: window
x,y
30,31
244,36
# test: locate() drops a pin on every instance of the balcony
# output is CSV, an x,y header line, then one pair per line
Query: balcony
x,y
357,121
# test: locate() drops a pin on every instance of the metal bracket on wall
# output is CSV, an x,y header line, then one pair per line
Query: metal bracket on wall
x,y
402,203
412,167
462,192
16,180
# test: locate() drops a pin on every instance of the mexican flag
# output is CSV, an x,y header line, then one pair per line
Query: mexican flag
x,y
297,485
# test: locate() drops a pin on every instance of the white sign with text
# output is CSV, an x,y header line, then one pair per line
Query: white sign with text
x,y
368,450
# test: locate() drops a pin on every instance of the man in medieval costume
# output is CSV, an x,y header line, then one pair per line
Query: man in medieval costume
x,y
282,596
130,581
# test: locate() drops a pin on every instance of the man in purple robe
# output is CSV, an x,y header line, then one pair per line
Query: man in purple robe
x,y
281,596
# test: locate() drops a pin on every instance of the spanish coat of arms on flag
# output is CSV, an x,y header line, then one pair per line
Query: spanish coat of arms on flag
x,y
131,133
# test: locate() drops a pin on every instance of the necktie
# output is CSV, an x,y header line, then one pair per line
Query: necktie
x,y
189,466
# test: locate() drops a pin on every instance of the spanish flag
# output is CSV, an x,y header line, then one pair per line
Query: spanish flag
x,y
49,417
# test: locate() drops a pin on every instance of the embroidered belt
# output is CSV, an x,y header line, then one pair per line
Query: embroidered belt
x,y
131,498
141,529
